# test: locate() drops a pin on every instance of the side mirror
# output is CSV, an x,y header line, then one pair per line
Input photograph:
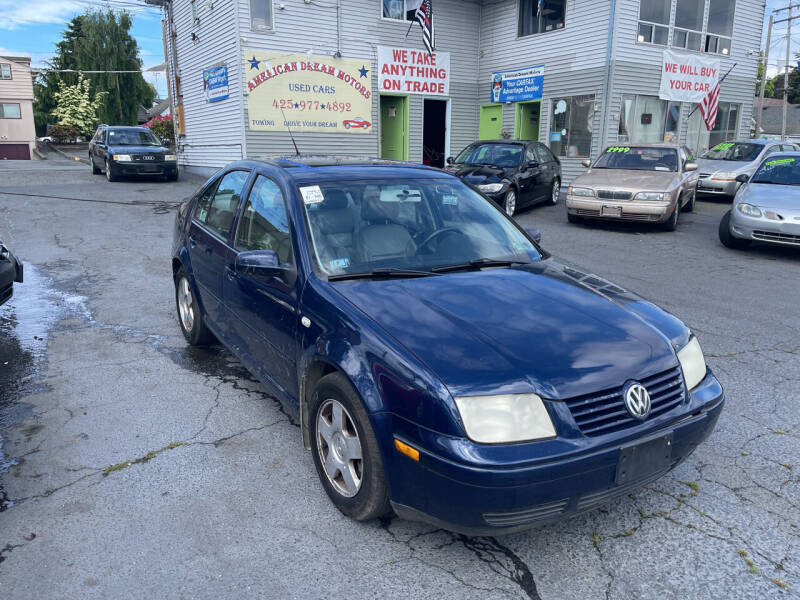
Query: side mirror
x,y
690,166
743,178
586,163
261,264
534,234
450,160
532,164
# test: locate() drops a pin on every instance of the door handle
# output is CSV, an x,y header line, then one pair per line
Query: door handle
x,y
192,241
231,273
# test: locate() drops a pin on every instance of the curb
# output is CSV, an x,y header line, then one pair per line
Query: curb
x,y
65,155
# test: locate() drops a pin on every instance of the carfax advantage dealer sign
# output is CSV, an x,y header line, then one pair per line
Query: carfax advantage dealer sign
x,y
312,94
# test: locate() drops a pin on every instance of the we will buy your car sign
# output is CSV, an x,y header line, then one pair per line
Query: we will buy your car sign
x,y
687,78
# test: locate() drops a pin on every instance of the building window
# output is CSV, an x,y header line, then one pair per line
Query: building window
x,y
654,21
571,124
726,129
401,10
10,110
648,119
5,71
261,14
540,16
720,26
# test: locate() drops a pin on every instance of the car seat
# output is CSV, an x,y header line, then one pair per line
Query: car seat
x,y
383,237
333,225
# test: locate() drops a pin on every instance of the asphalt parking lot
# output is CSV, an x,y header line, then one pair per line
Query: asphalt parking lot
x,y
133,466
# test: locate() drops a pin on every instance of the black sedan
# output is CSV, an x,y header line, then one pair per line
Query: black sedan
x,y
122,151
10,273
513,173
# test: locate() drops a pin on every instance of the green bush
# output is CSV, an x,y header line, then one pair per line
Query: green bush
x,y
63,134
162,127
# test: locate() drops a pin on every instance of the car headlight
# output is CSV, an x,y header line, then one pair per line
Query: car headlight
x,y
748,209
579,191
170,157
122,157
491,188
724,176
660,196
505,418
693,364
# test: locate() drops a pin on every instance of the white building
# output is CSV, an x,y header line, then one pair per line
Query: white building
x,y
588,75
17,130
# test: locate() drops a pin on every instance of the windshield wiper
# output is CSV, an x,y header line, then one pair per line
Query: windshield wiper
x,y
382,272
479,263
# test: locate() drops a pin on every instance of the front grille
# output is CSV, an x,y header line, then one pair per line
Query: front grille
x,y
587,212
640,216
526,515
772,236
148,158
605,412
614,195
601,497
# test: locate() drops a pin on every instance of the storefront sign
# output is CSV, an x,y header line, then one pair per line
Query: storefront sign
x,y
687,77
311,94
518,86
215,83
406,71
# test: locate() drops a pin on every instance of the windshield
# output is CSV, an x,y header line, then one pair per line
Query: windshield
x,y
642,158
781,171
734,151
132,137
498,155
409,224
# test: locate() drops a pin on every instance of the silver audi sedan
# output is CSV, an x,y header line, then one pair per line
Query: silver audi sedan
x,y
767,206
721,165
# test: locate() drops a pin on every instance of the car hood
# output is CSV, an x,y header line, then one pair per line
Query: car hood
x,y
713,166
623,179
517,330
138,149
482,174
783,198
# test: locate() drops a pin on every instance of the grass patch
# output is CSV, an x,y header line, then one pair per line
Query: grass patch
x,y
142,459
780,583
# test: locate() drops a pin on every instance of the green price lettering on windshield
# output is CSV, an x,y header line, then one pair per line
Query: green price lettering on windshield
x,y
779,161
720,147
618,149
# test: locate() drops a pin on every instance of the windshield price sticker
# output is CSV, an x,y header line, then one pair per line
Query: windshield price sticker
x,y
720,147
618,149
780,161
450,200
312,194
339,264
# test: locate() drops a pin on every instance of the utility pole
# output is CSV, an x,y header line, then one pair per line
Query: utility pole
x,y
760,109
788,22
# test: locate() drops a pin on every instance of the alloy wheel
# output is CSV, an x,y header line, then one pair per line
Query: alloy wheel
x,y
511,203
185,303
339,448
556,191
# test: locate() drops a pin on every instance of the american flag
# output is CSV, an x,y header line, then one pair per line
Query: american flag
x,y
709,105
424,17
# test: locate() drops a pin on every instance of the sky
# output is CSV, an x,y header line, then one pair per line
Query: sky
x,y
32,28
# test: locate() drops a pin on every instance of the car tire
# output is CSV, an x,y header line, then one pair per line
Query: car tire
x,y
109,172
689,206
555,192
672,223
574,218
95,170
191,320
347,125
336,411
727,238
510,202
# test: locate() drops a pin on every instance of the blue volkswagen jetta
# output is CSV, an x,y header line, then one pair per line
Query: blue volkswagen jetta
x,y
440,363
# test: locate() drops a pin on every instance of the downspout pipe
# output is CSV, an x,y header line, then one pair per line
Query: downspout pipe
x,y
607,83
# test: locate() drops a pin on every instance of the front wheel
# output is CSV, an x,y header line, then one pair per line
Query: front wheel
x,y
689,207
192,324
109,173
345,450
510,202
574,218
672,222
556,192
95,170
727,238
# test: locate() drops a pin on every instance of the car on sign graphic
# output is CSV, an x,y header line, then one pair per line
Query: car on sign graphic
x,y
356,123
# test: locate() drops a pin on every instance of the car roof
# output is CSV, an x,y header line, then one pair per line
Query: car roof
x,y
513,142
125,127
310,168
648,145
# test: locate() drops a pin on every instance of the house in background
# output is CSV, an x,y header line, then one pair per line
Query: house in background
x,y
772,120
17,131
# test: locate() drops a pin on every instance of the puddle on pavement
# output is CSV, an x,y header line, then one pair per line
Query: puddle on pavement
x,y
25,325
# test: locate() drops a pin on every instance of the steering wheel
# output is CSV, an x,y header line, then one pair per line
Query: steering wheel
x,y
436,234
662,165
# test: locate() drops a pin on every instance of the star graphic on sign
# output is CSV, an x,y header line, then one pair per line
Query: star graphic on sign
x,y
363,70
253,62
296,105
322,106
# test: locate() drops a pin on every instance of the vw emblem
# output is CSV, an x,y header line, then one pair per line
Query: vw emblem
x,y
637,400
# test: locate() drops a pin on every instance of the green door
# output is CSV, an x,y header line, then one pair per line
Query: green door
x,y
491,126
527,121
394,118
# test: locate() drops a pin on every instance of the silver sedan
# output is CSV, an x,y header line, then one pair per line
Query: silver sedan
x,y
767,206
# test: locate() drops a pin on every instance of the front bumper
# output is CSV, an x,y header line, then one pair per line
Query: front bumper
x,y
626,210
761,229
476,499
144,168
706,185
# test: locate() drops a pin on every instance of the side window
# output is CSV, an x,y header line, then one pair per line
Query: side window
x,y
217,206
542,153
772,150
531,155
264,224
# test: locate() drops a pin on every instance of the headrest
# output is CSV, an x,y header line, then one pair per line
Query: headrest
x,y
334,199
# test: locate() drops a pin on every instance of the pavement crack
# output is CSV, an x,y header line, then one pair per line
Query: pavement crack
x,y
489,551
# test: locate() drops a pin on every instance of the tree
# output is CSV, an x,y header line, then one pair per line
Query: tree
x,y
769,87
97,41
794,86
76,106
